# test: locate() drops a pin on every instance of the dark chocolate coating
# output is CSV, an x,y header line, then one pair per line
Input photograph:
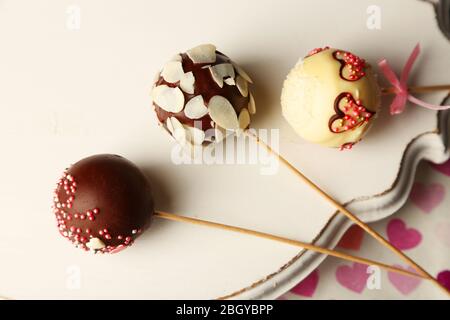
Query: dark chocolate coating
x,y
204,86
110,193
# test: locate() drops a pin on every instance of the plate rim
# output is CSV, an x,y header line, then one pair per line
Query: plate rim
x,y
274,284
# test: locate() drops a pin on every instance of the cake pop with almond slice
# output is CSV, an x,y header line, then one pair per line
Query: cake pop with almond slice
x,y
201,96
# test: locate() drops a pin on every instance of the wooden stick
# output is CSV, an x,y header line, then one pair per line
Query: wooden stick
x,y
421,89
350,215
308,246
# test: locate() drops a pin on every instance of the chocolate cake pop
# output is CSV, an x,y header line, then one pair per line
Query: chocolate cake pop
x,y
331,97
201,96
102,203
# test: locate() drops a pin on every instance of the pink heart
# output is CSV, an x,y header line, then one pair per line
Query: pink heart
x,y
427,197
307,286
442,232
353,277
444,278
404,284
352,239
401,237
443,168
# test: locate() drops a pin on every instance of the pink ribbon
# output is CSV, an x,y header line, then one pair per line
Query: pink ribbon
x,y
401,87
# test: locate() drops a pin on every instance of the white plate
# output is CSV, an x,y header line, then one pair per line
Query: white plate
x,y
66,94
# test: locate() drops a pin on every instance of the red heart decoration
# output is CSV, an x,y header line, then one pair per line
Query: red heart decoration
x,y
350,113
352,66
307,286
443,168
353,277
444,278
352,239
404,284
401,237
427,197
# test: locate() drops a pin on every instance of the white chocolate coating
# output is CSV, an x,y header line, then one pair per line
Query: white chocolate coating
x,y
309,95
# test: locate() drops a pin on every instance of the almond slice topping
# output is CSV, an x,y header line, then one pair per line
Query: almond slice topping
x,y
222,113
195,108
172,71
242,85
221,71
242,73
205,53
167,98
244,119
251,105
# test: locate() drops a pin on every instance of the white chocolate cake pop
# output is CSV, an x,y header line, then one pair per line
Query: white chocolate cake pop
x,y
331,98
201,96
